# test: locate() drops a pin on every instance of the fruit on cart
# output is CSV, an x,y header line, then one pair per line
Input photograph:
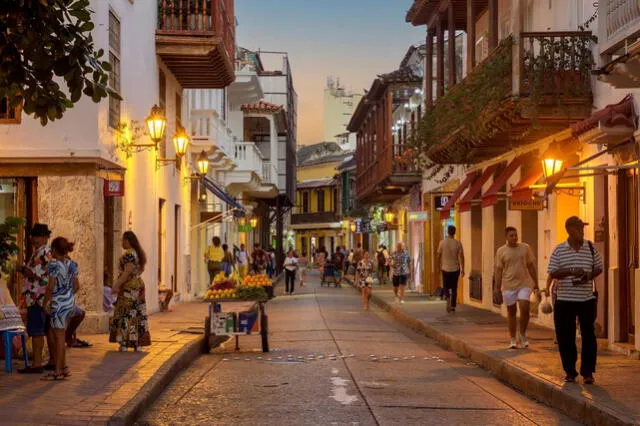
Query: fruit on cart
x,y
220,276
227,284
259,280
251,293
220,294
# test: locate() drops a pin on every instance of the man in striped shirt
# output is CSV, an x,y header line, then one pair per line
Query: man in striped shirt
x,y
574,264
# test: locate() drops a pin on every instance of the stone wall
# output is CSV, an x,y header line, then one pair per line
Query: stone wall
x,y
73,207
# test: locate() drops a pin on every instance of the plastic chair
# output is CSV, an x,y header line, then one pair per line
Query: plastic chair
x,y
7,340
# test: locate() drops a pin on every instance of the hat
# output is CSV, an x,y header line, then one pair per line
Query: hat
x,y
40,230
574,221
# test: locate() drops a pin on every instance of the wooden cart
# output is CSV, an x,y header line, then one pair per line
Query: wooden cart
x,y
235,306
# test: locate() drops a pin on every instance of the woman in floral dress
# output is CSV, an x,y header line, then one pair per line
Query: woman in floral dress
x,y
364,278
130,326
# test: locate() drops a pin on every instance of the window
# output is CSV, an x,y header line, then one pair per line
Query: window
x,y
162,96
320,200
305,202
114,75
9,115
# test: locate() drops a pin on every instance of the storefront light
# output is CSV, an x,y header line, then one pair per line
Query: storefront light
x,y
551,166
203,163
156,124
253,222
389,216
180,142
352,227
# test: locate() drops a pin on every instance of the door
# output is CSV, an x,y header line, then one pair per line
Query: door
x,y
628,250
176,246
601,243
161,222
109,209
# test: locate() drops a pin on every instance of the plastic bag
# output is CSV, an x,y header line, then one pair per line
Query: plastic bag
x,y
534,302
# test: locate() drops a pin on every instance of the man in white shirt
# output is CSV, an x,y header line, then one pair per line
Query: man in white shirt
x,y
290,266
242,258
450,259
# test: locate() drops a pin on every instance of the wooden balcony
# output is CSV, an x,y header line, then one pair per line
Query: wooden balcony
x,y
310,218
196,40
519,94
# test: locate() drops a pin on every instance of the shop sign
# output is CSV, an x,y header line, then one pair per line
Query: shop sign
x,y
113,188
244,228
363,226
382,228
440,201
419,216
536,203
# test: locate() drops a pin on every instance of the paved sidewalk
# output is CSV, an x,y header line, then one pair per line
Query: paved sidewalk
x,y
482,336
107,386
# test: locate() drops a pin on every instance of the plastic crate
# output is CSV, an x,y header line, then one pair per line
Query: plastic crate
x,y
248,322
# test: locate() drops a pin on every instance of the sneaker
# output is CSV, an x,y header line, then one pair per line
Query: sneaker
x,y
513,344
569,378
523,341
589,380
123,348
401,301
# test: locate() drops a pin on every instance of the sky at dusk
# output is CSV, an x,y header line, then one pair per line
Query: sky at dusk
x,y
351,39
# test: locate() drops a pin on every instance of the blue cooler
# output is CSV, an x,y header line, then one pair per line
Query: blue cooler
x,y
247,321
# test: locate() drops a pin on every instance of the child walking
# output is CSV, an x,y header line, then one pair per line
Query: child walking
x,y
59,301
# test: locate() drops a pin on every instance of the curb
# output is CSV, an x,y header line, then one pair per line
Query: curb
x,y
575,406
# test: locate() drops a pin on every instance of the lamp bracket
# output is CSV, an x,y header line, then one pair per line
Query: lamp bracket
x,y
127,133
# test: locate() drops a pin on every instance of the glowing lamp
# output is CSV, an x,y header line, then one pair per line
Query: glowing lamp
x,y
389,216
253,222
551,166
203,163
352,227
180,142
156,124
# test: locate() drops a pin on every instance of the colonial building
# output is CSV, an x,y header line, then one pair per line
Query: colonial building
x,y
97,172
529,137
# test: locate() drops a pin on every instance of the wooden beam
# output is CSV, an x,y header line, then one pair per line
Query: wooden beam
x,y
428,89
471,36
451,34
440,58
493,24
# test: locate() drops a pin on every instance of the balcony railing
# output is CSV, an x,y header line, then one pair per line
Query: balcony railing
x,y
207,128
248,157
269,173
621,20
205,17
388,164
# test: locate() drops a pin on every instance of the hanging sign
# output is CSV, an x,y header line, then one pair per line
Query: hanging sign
x,y
113,188
536,203
439,201
419,216
244,228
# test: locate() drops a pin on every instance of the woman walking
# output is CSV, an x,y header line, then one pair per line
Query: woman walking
x,y
303,263
364,278
290,266
213,256
227,260
59,300
130,326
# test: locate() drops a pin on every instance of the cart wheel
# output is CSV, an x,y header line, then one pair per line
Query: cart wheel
x,y
206,346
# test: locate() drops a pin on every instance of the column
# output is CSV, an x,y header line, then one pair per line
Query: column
x,y
273,153
451,33
493,24
471,36
440,58
428,83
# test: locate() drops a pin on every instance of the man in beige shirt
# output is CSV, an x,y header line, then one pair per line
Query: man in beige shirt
x,y
450,259
515,275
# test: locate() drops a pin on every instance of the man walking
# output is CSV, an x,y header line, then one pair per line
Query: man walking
x,y
450,258
338,263
574,264
515,275
400,262
382,259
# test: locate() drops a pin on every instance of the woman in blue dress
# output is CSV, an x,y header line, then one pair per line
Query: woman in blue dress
x,y
59,300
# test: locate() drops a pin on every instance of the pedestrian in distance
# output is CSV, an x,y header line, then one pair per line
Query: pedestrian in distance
x,y
364,278
303,265
36,280
321,258
290,267
574,264
213,257
381,261
130,325
59,301
242,260
400,262
259,259
338,264
516,275
450,258
227,260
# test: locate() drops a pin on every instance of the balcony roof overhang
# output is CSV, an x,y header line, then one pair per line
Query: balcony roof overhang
x,y
426,12
624,71
246,89
389,189
198,61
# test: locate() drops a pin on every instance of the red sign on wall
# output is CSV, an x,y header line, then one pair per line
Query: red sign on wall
x,y
113,188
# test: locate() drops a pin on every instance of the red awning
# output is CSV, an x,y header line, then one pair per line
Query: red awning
x,y
465,202
446,210
620,114
490,198
522,192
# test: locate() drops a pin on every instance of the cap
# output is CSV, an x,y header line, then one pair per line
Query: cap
x,y
574,221
40,230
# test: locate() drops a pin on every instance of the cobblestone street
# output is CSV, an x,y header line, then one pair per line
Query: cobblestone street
x,y
382,374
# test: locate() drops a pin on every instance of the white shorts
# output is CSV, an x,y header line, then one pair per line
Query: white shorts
x,y
512,296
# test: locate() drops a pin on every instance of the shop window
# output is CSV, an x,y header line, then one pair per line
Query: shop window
x,y
320,200
305,202
9,115
114,74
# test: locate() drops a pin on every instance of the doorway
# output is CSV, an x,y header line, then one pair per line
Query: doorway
x,y
176,246
161,223
628,250
601,243
109,242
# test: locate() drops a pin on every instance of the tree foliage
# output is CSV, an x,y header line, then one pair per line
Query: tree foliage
x,y
46,43
8,242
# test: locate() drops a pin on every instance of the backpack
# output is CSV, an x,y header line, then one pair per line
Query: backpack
x,y
381,259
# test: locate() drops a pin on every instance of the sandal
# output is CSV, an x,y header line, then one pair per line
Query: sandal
x,y
53,377
66,372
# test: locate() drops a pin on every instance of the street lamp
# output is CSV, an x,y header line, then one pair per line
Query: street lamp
x,y
203,163
353,227
551,166
253,222
156,124
389,216
180,144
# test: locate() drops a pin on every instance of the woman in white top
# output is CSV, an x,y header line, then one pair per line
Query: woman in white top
x,y
290,266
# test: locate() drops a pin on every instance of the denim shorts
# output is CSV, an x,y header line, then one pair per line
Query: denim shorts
x,y
38,321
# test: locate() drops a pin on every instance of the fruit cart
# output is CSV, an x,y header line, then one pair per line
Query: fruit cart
x,y
237,308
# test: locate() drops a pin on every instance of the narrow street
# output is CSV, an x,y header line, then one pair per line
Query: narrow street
x,y
382,374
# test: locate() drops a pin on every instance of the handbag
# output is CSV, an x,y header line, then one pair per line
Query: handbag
x,y
593,280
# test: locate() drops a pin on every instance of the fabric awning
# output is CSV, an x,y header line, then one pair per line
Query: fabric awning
x,y
445,212
221,193
465,202
490,198
522,191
